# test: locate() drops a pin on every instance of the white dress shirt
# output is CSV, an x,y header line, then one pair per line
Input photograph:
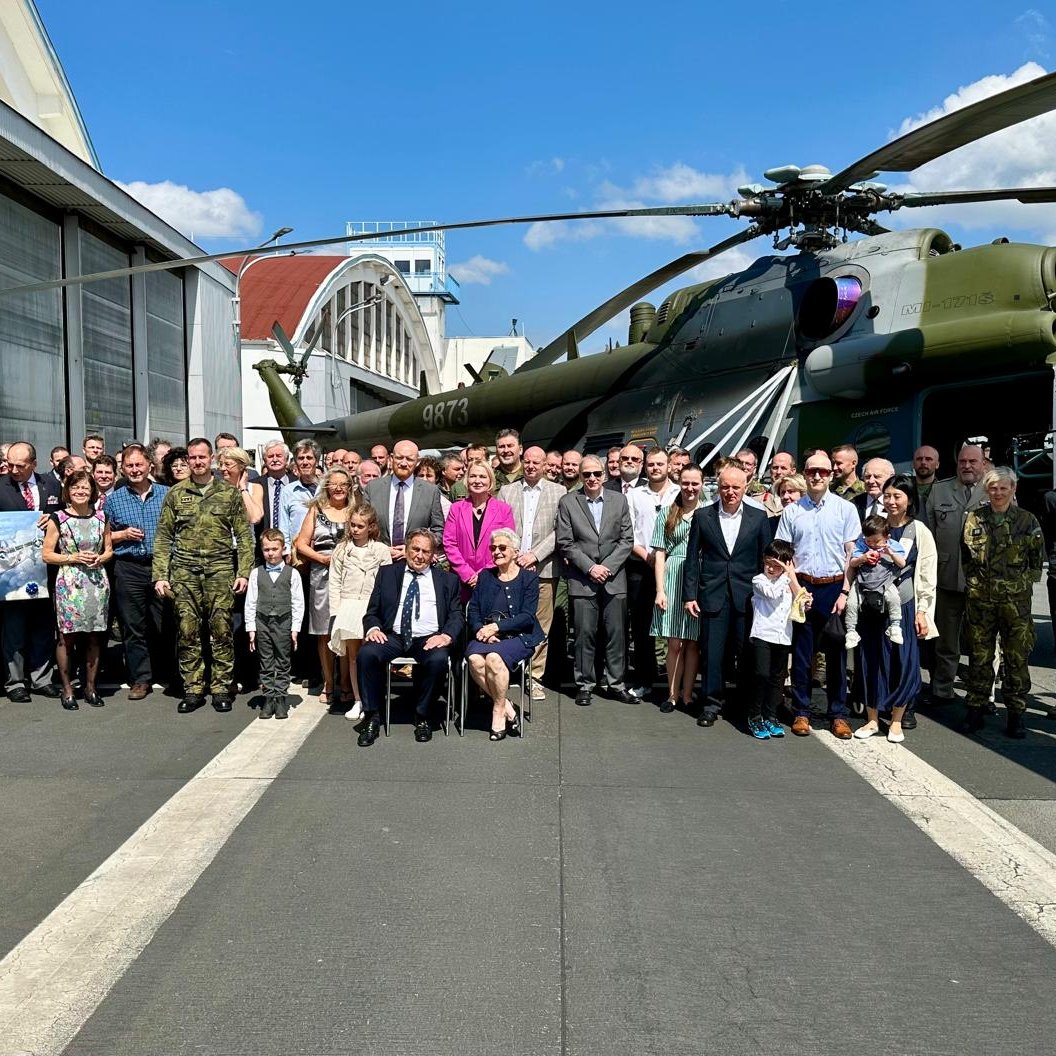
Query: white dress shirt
x,y
530,505
296,596
426,620
645,505
730,523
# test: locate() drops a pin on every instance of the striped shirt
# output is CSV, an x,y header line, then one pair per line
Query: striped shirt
x,y
127,510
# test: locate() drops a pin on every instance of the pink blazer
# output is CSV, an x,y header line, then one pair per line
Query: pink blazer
x,y
465,558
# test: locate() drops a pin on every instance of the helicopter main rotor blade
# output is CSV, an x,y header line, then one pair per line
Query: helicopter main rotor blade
x,y
951,131
625,298
707,209
1026,195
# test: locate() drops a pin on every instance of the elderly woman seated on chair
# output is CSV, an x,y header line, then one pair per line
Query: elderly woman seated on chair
x,y
503,629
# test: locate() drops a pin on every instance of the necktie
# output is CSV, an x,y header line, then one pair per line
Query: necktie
x,y
412,607
27,496
626,487
397,532
275,495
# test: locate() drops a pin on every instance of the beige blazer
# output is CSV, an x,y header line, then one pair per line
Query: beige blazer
x,y
544,526
925,575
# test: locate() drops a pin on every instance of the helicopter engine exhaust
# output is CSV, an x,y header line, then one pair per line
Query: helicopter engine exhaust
x,y
827,305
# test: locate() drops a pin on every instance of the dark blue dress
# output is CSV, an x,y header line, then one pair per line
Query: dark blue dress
x,y
890,674
513,606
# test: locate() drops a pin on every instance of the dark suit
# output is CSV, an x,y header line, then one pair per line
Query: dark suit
x,y
29,626
864,502
721,582
424,509
383,612
617,485
582,546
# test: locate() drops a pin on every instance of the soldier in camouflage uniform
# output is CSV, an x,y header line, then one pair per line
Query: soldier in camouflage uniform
x,y
203,553
1003,550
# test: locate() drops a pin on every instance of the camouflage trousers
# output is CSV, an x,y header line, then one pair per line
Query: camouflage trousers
x,y
204,602
985,620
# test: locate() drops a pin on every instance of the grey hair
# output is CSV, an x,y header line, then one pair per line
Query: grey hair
x,y
509,535
999,473
277,442
308,445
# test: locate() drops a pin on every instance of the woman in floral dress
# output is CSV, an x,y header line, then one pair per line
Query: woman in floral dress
x,y
77,541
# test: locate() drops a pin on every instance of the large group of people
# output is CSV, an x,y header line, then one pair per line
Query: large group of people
x,y
332,568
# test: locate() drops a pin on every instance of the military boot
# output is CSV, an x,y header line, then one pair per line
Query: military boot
x,y
282,707
1014,725
267,709
974,720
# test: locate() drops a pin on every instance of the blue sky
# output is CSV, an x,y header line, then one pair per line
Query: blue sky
x,y
309,115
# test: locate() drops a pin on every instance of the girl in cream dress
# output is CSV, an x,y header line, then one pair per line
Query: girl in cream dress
x,y
353,569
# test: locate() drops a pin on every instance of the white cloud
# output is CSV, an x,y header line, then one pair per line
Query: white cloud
x,y
664,186
221,213
478,269
1020,156
549,167
1036,31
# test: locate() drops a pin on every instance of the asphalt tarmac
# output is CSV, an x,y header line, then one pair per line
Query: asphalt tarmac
x,y
619,881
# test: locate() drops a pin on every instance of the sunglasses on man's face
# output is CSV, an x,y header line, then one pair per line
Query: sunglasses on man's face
x,y
592,472
819,472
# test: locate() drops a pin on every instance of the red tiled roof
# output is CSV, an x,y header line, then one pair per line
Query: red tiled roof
x,y
279,289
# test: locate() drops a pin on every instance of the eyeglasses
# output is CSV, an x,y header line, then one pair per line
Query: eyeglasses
x,y
592,473
629,458
498,548
819,472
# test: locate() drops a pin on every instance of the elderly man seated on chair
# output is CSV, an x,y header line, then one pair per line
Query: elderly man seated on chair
x,y
413,612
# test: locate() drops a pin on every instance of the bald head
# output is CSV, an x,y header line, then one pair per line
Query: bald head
x,y
733,481
404,457
925,464
533,463
631,459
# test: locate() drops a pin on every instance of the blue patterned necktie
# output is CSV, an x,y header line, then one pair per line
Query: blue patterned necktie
x,y
276,493
397,532
412,606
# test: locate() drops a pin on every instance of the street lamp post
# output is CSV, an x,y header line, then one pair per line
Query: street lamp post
x,y
247,263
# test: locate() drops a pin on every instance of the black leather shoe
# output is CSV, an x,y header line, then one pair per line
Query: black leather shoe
x,y
667,706
94,700
221,702
974,720
189,704
70,703
707,718
18,695
583,698
51,691
624,696
423,731
1014,727
369,734
909,721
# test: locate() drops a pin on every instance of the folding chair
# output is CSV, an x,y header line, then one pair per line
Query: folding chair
x,y
522,672
409,661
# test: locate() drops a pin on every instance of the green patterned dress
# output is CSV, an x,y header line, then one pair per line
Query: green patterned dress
x,y
675,622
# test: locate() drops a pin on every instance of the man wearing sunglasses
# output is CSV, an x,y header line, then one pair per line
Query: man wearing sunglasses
x,y
822,529
594,537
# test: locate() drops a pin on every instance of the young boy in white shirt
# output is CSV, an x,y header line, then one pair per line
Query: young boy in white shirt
x,y
274,609
770,641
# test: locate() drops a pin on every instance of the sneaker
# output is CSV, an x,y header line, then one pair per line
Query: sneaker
x,y
355,713
774,728
852,639
759,729
538,693
894,632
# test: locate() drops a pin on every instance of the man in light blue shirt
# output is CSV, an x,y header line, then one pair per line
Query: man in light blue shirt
x,y
293,505
822,529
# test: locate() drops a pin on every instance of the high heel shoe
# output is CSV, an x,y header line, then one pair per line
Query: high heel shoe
x,y
497,735
513,726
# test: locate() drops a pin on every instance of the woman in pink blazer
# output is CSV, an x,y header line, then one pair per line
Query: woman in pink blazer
x,y
470,522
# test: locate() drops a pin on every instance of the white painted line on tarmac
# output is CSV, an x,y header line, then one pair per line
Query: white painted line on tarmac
x,y
1011,864
56,977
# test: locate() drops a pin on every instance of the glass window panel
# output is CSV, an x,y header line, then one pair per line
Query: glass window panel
x,y
106,319
32,357
166,355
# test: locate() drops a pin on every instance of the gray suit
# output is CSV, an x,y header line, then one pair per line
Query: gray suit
x,y
948,505
542,544
582,546
424,511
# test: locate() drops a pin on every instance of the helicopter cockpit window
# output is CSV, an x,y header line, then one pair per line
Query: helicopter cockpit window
x,y
827,305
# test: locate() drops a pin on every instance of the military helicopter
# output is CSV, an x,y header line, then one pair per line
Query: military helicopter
x,y
888,340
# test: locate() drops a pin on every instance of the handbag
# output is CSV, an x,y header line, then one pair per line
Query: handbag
x,y
834,633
